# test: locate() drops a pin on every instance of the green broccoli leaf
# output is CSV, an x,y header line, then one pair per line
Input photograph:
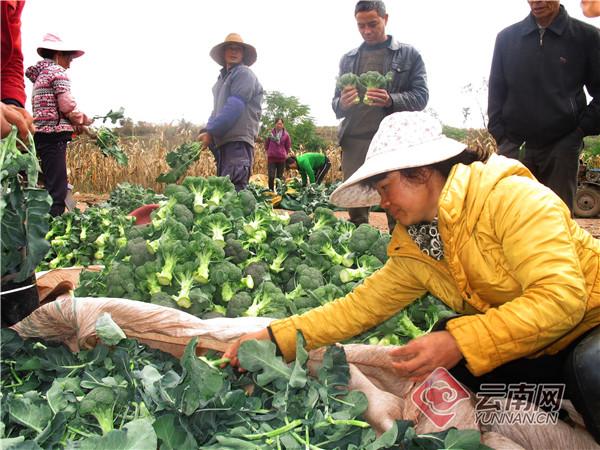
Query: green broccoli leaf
x,y
108,331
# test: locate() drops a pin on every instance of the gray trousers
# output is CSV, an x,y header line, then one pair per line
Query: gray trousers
x,y
235,159
555,165
354,152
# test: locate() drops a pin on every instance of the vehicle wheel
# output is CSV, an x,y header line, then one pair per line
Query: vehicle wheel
x,y
587,202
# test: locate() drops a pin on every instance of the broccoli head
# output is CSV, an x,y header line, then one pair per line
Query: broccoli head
x,y
100,403
363,238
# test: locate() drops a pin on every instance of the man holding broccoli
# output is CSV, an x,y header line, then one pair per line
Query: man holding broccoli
x,y
383,61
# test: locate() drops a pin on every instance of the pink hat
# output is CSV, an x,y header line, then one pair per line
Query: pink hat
x,y
53,42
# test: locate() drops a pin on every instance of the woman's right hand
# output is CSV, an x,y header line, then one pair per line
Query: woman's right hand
x,y
232,350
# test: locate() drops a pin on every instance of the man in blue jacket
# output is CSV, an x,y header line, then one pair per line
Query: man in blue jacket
x,y
407,91
536,97
233,125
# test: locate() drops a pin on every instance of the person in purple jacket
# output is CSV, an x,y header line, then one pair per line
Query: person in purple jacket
x,y
277,145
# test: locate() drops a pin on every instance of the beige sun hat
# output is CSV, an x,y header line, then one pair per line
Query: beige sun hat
x,y
218,51
53,42
403,140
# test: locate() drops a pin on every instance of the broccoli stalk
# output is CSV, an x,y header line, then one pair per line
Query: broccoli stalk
x,y
217,225
170,259
83,232
153,285
407,327
56,261
367,264
283,248
186,283
100,243
100,403
122,239
202,273
374,80
268,299
214,363
198,187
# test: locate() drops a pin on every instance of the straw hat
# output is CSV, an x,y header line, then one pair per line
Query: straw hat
x,y
218,51
53,42
403,140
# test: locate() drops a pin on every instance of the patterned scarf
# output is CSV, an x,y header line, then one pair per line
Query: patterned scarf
x,y
276,136
427,237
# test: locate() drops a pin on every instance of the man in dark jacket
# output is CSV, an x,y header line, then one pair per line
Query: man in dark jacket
x,y
536,97
406,92
233,125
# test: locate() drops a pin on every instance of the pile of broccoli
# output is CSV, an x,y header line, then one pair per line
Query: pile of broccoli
x,y
83,238
211,251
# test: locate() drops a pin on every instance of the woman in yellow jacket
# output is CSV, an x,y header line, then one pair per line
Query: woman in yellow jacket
x,y
491,242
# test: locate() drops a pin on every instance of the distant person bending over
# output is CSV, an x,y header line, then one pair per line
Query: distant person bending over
x,y
55,114
12,84
590,8
313,166
277,145
233,125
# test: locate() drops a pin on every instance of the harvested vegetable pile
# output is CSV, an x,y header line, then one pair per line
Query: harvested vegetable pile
x,y
82,238
210,250
128,396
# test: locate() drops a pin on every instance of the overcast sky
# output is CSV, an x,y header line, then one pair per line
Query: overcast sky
x,y
151,57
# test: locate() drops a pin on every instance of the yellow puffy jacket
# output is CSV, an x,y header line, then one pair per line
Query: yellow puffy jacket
x,y
521,270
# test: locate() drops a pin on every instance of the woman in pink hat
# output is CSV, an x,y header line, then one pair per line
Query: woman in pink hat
x,y
496,246
55,114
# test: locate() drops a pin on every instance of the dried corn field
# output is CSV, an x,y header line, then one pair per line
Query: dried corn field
x,y
91,172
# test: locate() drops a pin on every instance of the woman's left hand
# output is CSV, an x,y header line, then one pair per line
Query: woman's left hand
x,y
421,356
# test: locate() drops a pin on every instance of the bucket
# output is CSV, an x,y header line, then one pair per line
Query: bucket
x,y
18,300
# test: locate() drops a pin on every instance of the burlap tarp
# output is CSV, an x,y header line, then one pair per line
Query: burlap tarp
x,y
72,321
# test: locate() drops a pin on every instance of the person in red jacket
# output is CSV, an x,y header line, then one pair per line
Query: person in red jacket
x,y
12,83
277,145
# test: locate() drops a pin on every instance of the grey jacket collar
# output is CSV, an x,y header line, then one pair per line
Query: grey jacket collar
x,y
558,25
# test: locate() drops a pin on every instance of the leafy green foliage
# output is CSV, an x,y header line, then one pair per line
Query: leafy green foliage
x,y
132,397
111,115
23,210
127,197
295,197
179,160
108,143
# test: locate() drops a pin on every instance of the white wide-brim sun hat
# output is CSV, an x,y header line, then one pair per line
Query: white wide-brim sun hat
x,y
403,140
53,42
